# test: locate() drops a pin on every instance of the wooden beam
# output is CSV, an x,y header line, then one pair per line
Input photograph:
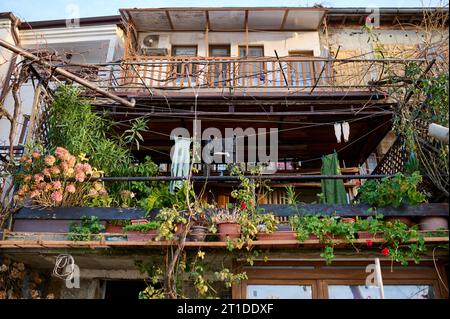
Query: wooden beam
x,y
170,20
286,13
246,33
105,214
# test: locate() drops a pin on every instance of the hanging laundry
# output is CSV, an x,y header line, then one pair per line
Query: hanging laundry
x,y
346,131
333,190
338,132
180,161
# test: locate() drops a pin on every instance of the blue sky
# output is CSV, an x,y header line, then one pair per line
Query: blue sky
x,y
34,10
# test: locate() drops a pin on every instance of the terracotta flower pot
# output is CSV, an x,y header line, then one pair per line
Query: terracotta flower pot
x,y
433,224
229,230
367,235
278,235
114,229
140,236
198,233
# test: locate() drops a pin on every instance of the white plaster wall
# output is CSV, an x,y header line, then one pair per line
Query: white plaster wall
x,y
283,42
5,55
355,39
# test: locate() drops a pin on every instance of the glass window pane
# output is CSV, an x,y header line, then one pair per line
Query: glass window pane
x,y
252,51
390,292
279,292
185,51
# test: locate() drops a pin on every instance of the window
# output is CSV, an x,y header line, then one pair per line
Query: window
x,y
185,51
220,70
252,73
183,68
390,292
253,51
314,280
279,292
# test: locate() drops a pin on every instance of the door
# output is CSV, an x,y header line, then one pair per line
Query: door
x,y
220,70
252,72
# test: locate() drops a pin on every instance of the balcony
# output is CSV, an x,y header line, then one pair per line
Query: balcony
x,y
271,74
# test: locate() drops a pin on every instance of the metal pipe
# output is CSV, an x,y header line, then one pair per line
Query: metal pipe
x,y
182,114
64,73
234,178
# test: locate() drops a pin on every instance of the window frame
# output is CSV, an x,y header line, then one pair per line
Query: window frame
x,y
320,276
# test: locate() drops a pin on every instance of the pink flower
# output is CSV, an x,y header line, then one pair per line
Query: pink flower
x,y
71,160
36,155
46,172
56,185
79,168
103,192
55,170
35,194
93,192
70,189
80,177
50,160
57,196
41,186
39,178
369,243
62,153
87,169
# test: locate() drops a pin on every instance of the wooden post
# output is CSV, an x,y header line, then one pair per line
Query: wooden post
x,y
34,112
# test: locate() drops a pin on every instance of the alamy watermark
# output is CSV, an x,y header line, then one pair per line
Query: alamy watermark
x,y
210,146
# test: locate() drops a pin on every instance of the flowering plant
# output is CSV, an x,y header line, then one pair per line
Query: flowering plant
x,y
58,180
223,215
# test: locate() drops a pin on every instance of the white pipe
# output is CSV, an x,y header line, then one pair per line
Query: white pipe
x,y
439,132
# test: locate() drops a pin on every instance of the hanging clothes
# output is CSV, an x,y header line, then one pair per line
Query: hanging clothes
x,y
181,161
338,132
346,131
333,190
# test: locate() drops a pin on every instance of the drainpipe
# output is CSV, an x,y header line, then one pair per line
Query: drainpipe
x,y
439,132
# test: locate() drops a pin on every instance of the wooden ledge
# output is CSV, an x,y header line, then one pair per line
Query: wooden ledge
x,y
14,244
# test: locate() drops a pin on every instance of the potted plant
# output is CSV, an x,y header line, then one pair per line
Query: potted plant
x,y
227,223
370,228
268,229
393,191
142,232
89,229
199,228
172,223
116,226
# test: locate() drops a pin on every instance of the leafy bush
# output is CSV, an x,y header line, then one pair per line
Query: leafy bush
x,y
85,230
142,228
392,191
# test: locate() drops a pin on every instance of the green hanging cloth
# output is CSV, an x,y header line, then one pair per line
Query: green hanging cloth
x,y
333,190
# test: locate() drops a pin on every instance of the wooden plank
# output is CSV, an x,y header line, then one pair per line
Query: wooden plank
x,y
71,213
216,244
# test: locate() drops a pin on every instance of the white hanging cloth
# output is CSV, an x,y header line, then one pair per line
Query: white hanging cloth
x,y
338,132
346,131
181,161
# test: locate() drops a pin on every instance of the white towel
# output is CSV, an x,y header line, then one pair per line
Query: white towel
x,y
338,132
346,131
181,161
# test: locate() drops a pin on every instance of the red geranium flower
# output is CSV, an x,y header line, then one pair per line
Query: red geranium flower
x,y
385,251
369,243
243,206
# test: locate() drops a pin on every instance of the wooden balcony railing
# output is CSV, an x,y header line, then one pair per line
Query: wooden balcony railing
x,y
141,73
